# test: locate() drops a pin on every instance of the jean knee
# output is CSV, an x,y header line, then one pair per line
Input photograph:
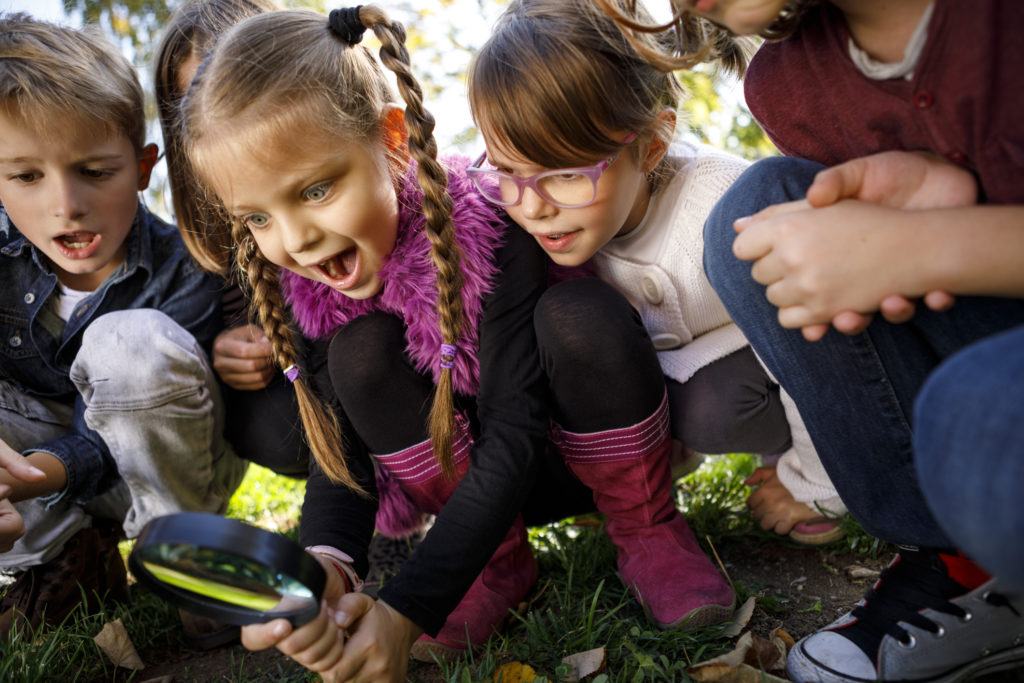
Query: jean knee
x,y
770,181
138,356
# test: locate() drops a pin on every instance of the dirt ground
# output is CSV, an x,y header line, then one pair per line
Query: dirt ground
x,y
799,590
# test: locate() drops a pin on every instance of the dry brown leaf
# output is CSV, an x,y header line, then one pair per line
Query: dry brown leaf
x,y
118,647
514,672
750,660
741,618
585,664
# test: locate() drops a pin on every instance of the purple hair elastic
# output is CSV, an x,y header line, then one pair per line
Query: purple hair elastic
x,y
292,372
448,353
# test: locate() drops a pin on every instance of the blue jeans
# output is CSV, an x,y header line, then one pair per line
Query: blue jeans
x,y
150,394
856,393
970,451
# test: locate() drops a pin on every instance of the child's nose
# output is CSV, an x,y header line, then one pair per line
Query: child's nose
x,y
67,201
534,206
298,235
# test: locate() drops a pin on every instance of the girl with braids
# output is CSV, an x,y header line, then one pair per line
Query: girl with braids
x,y
902,182
427,298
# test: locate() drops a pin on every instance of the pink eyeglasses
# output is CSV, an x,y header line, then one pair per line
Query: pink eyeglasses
x,y
566,188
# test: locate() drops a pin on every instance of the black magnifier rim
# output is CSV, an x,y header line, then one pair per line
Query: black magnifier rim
x,y
224,534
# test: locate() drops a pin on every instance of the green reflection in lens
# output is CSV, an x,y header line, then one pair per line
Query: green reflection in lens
x,y
223,576
211,589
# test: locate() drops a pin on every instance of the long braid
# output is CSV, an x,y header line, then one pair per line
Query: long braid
x,y
268,307
437,209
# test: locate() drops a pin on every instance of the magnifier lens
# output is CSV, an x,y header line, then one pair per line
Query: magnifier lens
x,y
227,570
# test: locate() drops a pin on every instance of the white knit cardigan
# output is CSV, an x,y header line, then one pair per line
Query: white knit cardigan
x,y
659,267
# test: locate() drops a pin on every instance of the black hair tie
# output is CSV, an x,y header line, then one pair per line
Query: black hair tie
x,y
346,24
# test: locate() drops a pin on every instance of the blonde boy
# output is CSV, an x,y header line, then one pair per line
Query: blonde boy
x,y
109,413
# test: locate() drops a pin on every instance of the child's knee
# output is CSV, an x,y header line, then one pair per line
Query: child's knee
x,y
138,355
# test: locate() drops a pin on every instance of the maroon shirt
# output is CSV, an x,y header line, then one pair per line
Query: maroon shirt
x,y
965,101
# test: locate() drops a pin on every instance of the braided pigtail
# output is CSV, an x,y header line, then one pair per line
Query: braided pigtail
x,y
437,209
267,305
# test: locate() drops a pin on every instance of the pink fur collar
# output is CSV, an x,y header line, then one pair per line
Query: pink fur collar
x,y
409,281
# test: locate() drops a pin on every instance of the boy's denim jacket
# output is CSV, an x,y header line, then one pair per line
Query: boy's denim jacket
x,y
157,273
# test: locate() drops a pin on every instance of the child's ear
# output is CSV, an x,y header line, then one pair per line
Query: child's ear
x,y
658,146
396,135
147,160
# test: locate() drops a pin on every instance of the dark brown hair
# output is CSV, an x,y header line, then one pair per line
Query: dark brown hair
x,y
191,32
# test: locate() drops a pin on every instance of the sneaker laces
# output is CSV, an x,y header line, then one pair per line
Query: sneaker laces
x,y
916,580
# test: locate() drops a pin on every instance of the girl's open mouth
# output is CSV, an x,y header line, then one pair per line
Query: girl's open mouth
x,y
342,270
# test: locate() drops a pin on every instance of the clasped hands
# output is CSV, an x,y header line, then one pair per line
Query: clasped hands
x,y
847,250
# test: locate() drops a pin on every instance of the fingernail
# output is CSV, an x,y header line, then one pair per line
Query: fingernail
x,y
280,629
341,618
35,470
740,222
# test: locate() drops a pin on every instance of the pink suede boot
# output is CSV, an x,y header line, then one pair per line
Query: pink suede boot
x,y
503,583
659,558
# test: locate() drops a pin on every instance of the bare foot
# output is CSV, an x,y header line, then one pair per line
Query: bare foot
x,y
772,505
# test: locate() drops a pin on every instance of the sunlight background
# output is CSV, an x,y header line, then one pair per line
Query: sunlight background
x,y
442,37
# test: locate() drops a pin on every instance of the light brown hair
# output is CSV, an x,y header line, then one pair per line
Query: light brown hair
x,y
53,75
191,32
286,71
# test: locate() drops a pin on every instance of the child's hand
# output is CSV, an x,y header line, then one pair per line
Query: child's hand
x,y
772,505
901,180
380,639
12,526
242,357
826,265
316,645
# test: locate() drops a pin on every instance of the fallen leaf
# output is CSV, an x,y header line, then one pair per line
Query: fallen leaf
x,y
514,672
858,572
585,664
751,660
741,618
118,647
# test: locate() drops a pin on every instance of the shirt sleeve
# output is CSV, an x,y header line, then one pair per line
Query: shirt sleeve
x,y
512,408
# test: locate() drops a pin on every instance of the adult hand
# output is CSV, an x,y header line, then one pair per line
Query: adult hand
x,y
242,357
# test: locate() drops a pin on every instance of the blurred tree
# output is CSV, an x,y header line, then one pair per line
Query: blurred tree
x,y
442,37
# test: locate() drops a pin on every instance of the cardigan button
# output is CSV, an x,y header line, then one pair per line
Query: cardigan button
x,y
29,298
958,158
663,341
652,290
923,99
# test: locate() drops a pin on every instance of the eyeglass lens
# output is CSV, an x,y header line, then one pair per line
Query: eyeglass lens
x,y
569,189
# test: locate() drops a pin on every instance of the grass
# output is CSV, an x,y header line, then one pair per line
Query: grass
x,y
579,603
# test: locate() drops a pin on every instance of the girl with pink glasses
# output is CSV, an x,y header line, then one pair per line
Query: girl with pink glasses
x,y
557,88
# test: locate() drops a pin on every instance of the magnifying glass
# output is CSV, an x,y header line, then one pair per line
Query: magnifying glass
x,y
227,570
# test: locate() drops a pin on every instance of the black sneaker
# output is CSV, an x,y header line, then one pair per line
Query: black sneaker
x,y
89,567
917,624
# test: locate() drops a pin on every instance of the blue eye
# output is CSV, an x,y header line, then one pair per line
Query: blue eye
x,y
316,193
